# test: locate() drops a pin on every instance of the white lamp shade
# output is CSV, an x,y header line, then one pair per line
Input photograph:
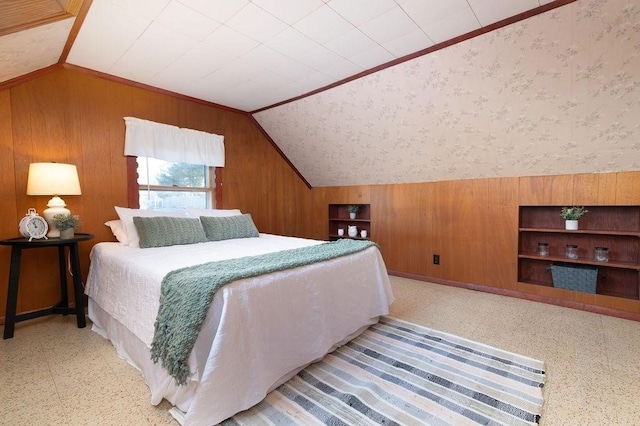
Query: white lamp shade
x,y
53,179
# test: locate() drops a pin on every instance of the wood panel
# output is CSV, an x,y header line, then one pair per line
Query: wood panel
x,y
459,235
473,225
500,221
627,188
546,190
323,196
18,15
401,226
40,133
76,117
8,188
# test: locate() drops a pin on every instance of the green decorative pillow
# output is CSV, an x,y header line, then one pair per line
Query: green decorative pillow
x,y
226,228
165,231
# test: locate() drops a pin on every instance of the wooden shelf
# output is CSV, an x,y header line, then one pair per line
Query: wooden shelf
x,y
335,219
581,231
614,227
339,218
339,237
579,261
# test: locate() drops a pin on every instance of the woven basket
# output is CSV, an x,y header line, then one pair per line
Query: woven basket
x,y
575,277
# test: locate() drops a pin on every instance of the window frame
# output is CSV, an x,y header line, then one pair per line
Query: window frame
x,y
133,188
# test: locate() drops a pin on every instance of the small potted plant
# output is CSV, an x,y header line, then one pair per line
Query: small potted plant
x,y
353,209
66,224
571,216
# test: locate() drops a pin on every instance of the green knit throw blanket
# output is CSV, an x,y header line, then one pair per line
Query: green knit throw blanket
x,y
187,293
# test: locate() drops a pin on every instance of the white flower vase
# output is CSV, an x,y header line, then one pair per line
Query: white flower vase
x,y
571,225
352,215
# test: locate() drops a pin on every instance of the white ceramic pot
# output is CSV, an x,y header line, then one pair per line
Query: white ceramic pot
x,y
353,231
571,225
352,215
67,234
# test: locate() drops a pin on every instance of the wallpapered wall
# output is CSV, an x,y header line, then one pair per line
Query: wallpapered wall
x,y
558,93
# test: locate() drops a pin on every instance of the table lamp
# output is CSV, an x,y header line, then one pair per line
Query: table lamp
x,y
53,179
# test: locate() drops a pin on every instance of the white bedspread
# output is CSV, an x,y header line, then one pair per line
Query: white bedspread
x,y
258,331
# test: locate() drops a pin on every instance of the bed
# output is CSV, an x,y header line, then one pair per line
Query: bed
x,y
258,331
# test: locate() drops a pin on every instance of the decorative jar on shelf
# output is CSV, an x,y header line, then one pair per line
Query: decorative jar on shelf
x,y
543,249
353,231
602,254
571,251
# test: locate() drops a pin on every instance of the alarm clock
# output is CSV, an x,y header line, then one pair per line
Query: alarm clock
x,y
33,226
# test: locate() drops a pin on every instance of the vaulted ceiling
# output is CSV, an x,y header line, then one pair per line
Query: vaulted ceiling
x,y
238,53
292,63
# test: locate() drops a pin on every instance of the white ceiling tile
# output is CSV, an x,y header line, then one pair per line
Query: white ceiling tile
x,y
408,43
452,26
247,96
290,90
220,10
231,74
291,43
272,60
289,11
230,41
320,58
199,62
426,11
350,43
342,69
256,23
388,26
144,60
267,80
311,82
187,21
490,11
371,58
323,24
146,8
105,21
226,96
360,11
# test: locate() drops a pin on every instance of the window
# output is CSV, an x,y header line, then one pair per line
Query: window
x,y
165,185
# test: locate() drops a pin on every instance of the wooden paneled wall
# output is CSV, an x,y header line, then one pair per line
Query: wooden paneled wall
x,y
73,117
473,226
70,116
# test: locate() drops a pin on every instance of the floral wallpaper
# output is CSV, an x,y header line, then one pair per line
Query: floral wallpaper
x,y
44,44
558,93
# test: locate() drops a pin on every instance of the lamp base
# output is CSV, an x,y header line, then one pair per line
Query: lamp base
x,y
56,206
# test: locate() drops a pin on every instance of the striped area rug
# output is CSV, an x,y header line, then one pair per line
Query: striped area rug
x,y
398,373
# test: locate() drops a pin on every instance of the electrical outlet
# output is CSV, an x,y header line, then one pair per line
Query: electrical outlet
x,y
436,259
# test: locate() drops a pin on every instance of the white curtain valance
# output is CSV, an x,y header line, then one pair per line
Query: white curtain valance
x,y
170,143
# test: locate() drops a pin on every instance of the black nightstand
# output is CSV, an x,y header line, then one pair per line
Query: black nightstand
x,y
17,245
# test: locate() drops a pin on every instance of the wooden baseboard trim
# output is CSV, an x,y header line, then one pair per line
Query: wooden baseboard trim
x,y
520,295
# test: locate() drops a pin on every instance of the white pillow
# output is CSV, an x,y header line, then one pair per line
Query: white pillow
x,y
213,212
126,216
117,228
